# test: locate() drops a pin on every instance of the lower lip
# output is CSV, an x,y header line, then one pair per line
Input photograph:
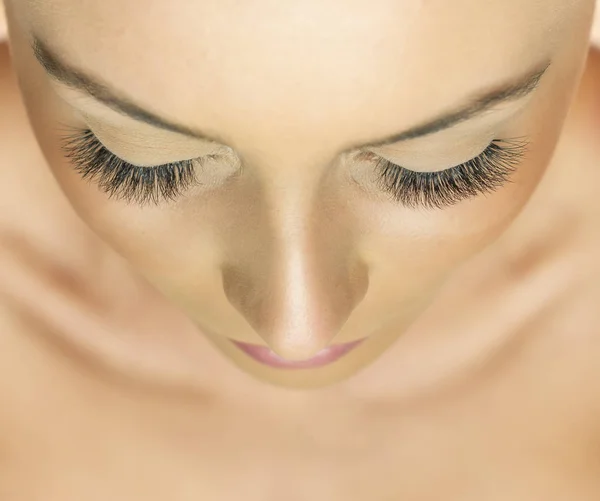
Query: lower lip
x,y
326,356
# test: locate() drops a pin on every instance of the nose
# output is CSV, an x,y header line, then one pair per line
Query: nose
x,y
298,286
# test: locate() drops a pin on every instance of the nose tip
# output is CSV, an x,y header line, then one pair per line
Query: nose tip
x,y
295,308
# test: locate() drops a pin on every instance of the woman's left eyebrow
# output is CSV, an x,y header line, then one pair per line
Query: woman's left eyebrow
x,y
470,109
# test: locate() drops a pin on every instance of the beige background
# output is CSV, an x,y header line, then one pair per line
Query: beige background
x,y
595,35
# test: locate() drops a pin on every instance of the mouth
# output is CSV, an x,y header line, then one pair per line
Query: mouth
x,y
268,357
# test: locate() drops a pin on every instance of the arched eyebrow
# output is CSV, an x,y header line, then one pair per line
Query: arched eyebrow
x,y
102,92
473,107
95,87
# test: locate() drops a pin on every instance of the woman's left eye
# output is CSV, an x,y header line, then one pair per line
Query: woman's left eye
x,y
436,190
123,180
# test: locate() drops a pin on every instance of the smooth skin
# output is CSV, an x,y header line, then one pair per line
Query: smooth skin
x,y
478,376
288,243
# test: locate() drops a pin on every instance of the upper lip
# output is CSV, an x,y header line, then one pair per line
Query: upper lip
x,y
269,348
267,356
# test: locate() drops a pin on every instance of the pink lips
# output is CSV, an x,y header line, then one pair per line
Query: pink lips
x,y
266,356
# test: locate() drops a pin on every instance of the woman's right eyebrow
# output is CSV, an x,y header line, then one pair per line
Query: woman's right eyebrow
x,y
96,88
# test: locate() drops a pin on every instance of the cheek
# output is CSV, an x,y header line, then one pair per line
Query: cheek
x,y
411,252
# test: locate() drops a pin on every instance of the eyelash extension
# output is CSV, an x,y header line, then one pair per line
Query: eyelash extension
x,y
125,181
431,190
436,190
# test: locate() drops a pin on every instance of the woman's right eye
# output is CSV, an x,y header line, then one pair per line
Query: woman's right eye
x,y
123,180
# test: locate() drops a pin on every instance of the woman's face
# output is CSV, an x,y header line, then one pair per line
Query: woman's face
x,y
296,175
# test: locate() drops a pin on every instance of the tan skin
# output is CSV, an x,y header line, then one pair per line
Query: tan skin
x,y
478,378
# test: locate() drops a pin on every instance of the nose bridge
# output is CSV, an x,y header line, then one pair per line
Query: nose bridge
x,y
298,286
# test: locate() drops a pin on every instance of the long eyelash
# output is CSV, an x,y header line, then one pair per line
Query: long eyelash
x,y
122,180
435,190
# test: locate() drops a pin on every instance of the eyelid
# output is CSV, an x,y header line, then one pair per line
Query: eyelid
x,y
435,159
143,150
486,173
116,129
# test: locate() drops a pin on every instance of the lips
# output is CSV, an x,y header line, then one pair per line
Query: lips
x,y
268,357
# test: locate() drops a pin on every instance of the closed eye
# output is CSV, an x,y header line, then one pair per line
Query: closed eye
x,y
436,190
123,180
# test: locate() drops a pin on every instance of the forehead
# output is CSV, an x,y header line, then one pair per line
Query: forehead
x,y
294,69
